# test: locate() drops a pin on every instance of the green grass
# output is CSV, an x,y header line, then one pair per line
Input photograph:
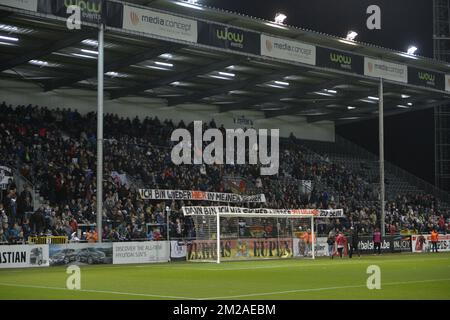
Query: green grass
x,y
403,276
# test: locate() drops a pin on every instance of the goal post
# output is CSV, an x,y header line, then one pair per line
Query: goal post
x,y
224,233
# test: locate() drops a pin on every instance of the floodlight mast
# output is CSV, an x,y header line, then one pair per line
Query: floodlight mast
x,y
100,75
381,146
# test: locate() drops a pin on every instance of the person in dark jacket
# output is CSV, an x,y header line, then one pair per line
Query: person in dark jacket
x,y
354,240
330,241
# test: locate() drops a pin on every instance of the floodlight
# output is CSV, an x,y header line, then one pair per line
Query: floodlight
x,y
279,18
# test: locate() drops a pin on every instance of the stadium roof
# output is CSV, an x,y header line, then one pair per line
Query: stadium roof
x,y
277,69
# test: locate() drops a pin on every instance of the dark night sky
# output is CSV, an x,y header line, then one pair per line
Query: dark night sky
x,y
409,138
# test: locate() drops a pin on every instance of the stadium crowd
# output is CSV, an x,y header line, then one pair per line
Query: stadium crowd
x,y
56,151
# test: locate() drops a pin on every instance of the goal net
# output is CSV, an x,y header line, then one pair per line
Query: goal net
x,y
224,233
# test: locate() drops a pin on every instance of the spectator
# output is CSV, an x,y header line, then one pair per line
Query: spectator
x,y
340,241
330,241
56,152
434,241
441,224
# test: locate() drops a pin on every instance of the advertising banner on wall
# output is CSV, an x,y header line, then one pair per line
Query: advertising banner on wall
x,y
228,38
91,10
447,82
80,253
340,60
178,250
240,249
425,78
389,244
30,5
386,70
160,24
288,50
155,194
140,252
422,243
303,249
24,256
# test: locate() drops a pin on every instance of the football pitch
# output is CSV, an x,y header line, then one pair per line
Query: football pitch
x,y
403,276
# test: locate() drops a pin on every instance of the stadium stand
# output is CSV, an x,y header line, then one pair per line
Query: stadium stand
x,y
53,155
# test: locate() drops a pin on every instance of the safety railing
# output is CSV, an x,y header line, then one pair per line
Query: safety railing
x,y
48,240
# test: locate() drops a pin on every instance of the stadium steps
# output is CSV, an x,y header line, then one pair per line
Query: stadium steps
x,y
357,159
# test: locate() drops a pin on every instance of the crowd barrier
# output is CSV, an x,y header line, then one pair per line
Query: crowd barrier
x,y
48,240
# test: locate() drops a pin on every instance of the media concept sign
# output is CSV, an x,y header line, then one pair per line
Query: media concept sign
x,y
340,60
228,38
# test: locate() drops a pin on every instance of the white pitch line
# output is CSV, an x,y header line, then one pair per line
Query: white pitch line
x,y
311,265
223,297
318,289
97,291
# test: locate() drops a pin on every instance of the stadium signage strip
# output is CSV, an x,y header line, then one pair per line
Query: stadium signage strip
x,y
31,5
160,24
132,18
140,252
340,60
81,253
156,194
242,249
303,249
24,256
447,82
92,11
228,38
238,211
288,50
426,78
386,70
422,243
389,244
177,250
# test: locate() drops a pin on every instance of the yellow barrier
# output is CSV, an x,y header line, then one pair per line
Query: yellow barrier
x,y
406,232
48,240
